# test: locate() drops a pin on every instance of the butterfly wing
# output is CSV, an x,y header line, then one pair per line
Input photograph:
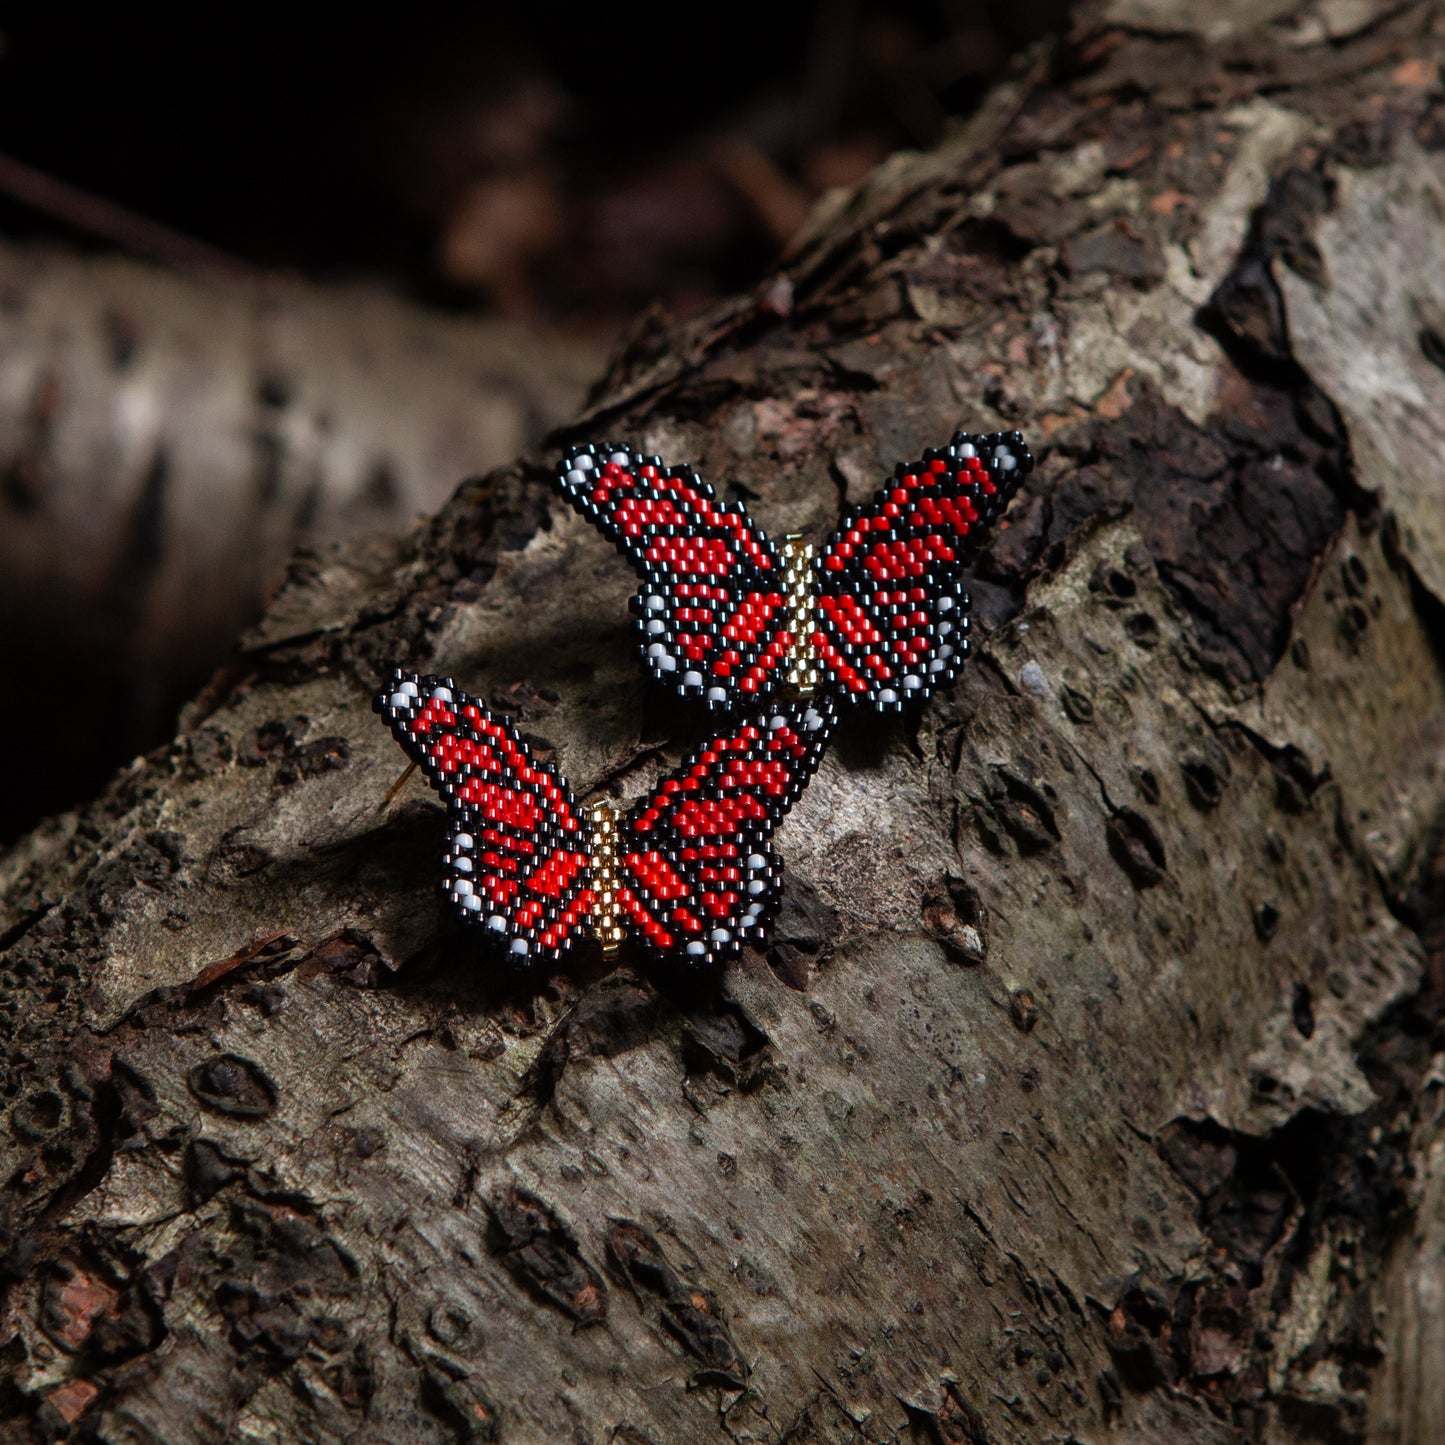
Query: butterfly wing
x,y
698,877
517,860
711,613
892,609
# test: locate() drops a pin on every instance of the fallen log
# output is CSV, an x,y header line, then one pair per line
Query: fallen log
x,y
1089,1087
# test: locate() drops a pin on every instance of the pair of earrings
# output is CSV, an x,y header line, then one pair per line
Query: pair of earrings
x,y
776,637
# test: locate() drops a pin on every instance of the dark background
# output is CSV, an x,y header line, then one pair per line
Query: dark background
x,y
615,165
543,162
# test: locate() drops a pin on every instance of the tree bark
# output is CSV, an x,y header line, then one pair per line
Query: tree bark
x,y
1090,1088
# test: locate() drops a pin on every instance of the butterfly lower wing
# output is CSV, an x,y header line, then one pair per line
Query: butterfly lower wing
x,y
518,858
892,609
711,613
698,877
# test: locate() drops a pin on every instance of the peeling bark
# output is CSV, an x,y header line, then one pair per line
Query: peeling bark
x,y
1090,1088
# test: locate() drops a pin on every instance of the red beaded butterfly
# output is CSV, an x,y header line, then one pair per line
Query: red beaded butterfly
x,y
880,615
687,871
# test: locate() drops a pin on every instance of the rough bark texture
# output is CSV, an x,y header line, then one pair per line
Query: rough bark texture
x,y
1091,1087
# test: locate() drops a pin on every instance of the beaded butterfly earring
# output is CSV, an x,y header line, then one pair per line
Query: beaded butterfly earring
x,y
878,616
687,872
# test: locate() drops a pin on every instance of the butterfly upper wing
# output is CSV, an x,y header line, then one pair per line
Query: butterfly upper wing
x,y
698,877
892,612
711,612
518,847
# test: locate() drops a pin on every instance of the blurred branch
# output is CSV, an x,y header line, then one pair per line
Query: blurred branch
x,y
134,233
166,442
